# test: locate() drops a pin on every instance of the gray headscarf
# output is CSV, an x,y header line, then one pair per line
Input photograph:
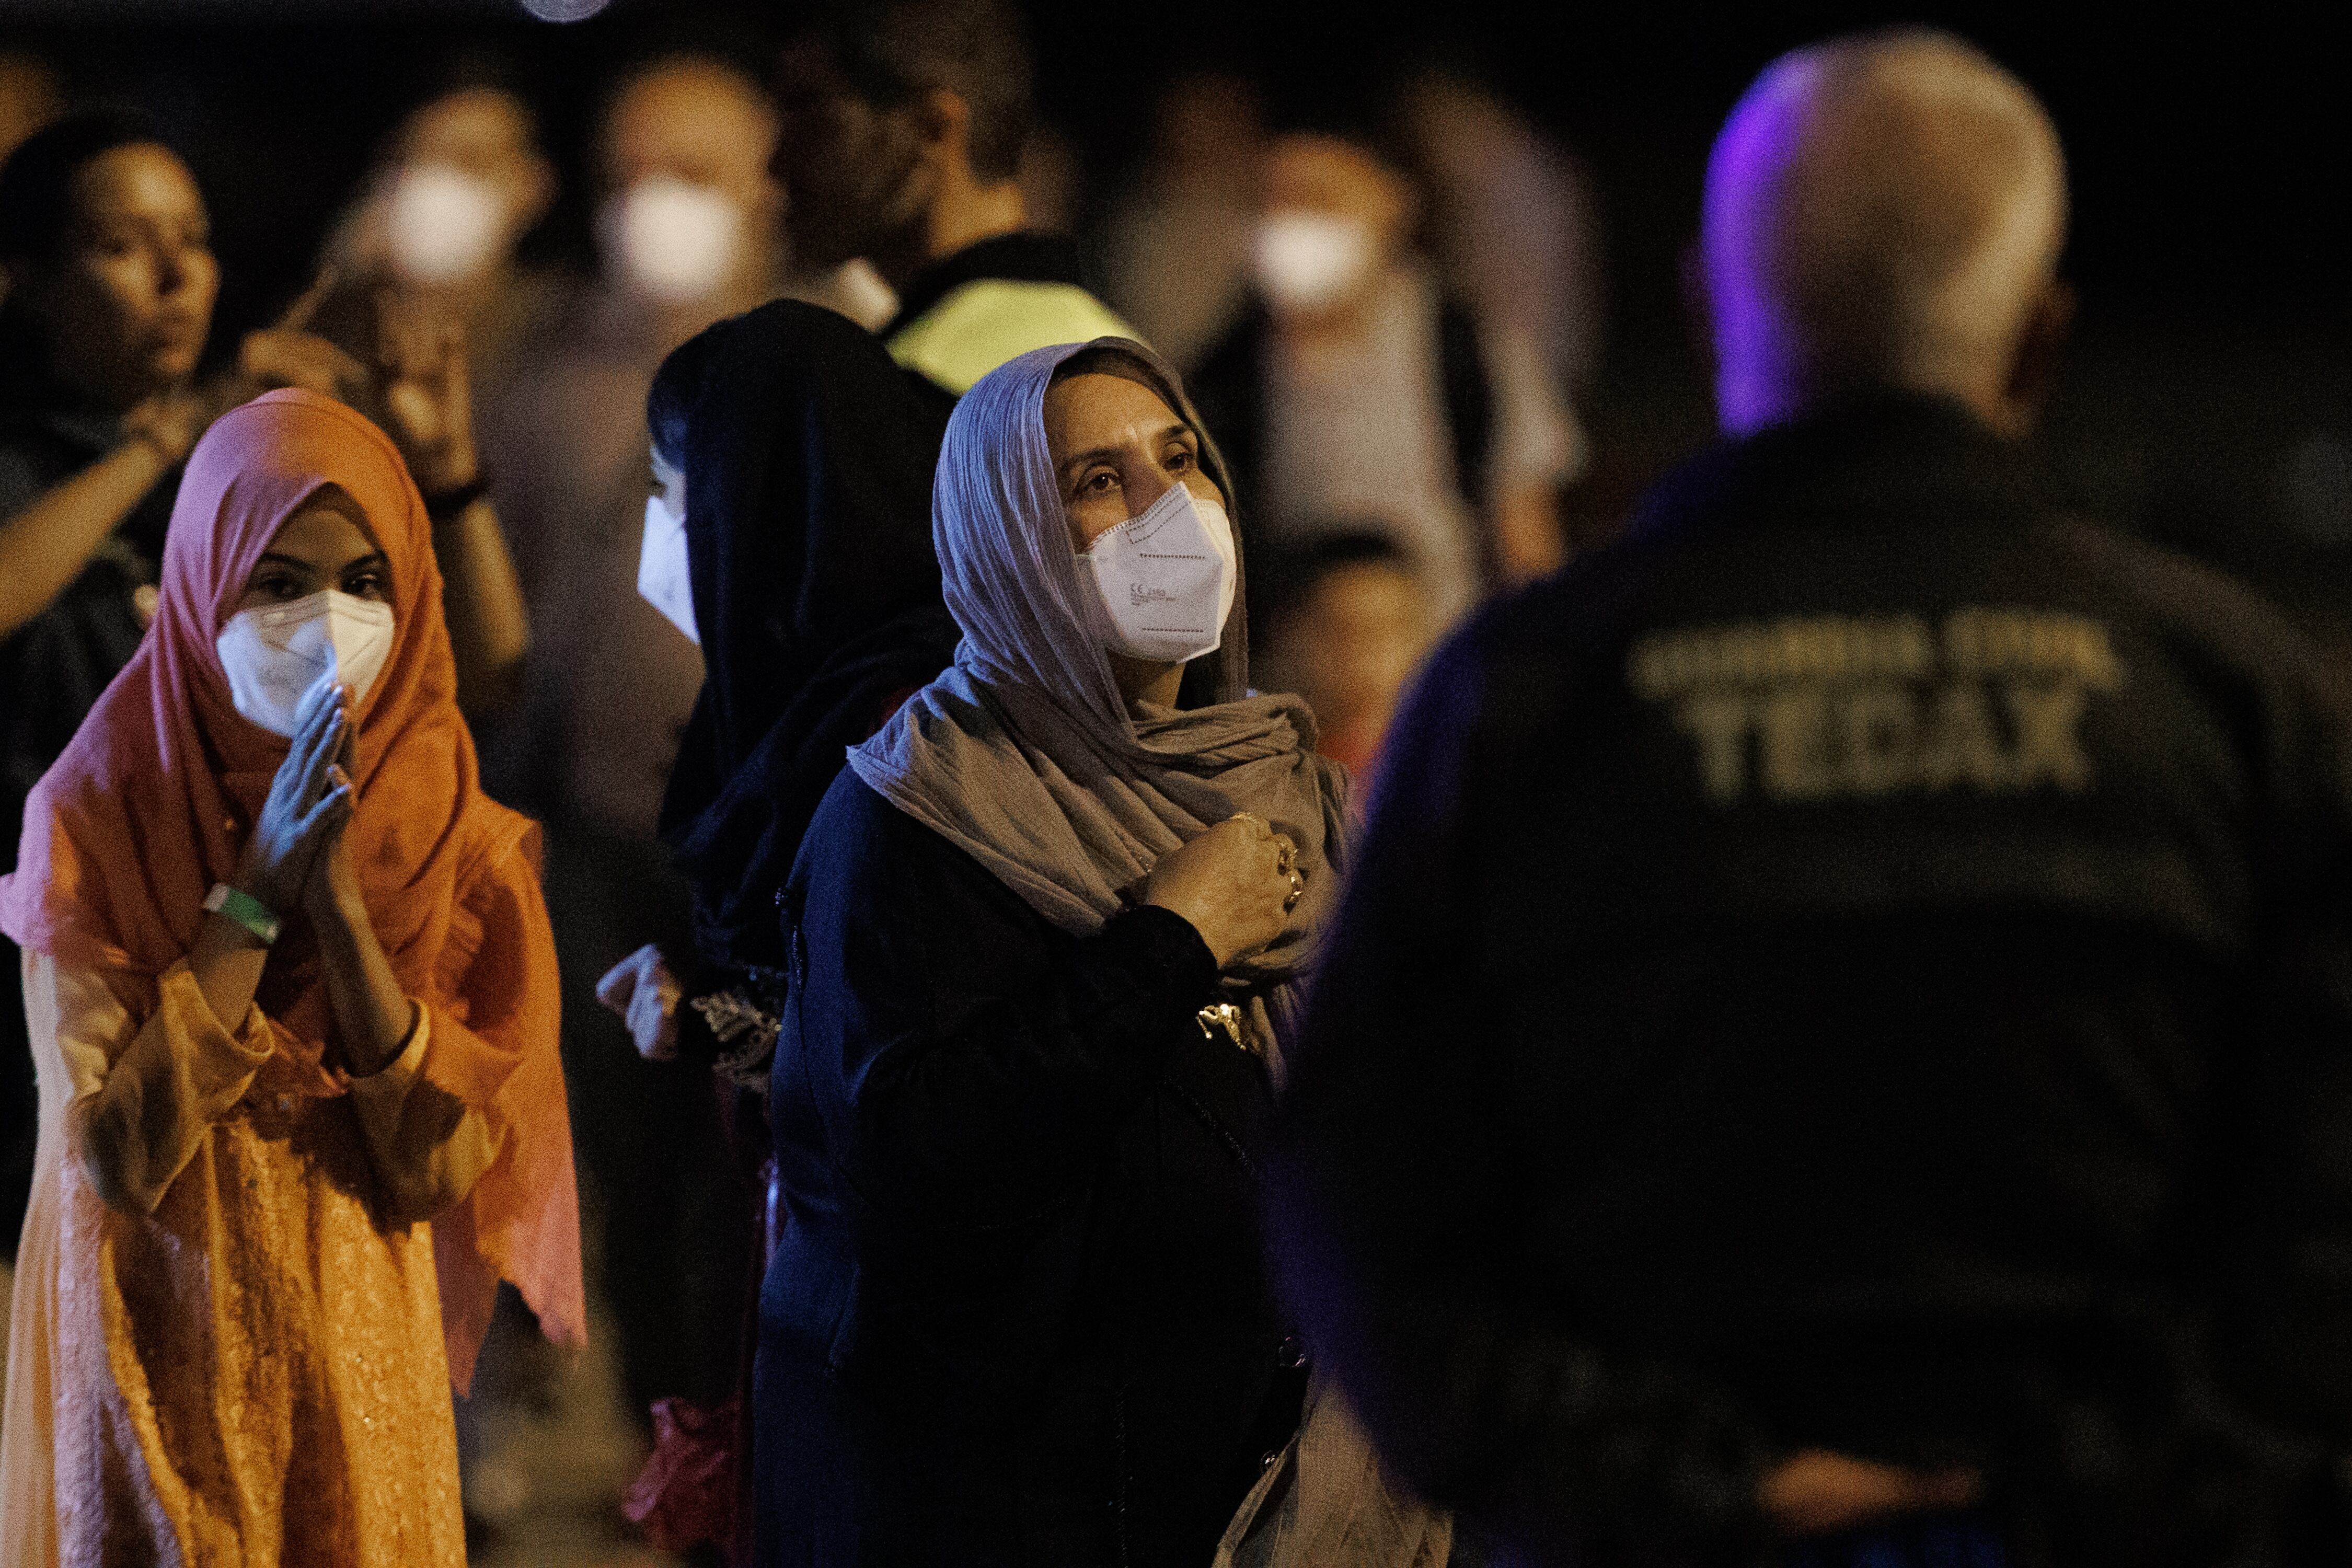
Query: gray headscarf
x,y
1022,754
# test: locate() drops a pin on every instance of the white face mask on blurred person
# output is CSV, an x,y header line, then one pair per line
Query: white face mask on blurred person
x,y
442,224
664,580
1310,261
673,241
274,655
1165,578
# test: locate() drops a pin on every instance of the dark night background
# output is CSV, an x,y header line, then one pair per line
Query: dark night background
x,y
2206,398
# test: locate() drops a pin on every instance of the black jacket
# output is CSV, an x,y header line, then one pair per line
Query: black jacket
x,y
1865,963
52,670
1018,1317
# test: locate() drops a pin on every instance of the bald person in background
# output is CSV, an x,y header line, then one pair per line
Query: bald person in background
x,y
1839,1047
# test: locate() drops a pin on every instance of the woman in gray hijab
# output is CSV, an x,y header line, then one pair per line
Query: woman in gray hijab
x,y
1043,936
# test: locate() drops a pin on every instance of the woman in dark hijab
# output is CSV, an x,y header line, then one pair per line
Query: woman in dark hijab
x,y
1042,933
790,538
806,461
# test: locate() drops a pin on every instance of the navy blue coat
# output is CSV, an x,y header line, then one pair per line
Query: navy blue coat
x,y
1019,1314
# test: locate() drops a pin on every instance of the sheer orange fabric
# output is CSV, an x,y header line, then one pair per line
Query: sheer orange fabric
x,y
150,806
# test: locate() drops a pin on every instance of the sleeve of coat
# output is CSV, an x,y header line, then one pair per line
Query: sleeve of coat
x,y
428,1146
146,1092
1393,1212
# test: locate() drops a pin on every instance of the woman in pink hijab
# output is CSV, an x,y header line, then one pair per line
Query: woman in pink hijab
x,y
293,999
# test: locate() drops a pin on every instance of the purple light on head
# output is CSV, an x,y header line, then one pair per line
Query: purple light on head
x,y
1757,360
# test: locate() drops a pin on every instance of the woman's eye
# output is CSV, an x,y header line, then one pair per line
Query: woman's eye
x,y
365,585
1179,459
1101,482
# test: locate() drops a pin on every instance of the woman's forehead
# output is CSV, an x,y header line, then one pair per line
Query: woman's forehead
x,y
139,177
329,525
1089,407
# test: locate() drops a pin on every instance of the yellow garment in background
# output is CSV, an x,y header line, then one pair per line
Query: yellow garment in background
x,y
982,325
239,1359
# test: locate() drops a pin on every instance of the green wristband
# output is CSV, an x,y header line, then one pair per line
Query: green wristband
x,y
245,909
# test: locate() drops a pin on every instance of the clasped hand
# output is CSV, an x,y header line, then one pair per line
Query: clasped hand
x,y
295,858
641,990
1236,883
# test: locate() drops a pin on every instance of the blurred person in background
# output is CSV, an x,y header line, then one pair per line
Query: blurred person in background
x,y
1051,174
105,244
1346,622
458,185
904,124
1897,1098
687,230
1355,385
1178,236
1513,226
30,97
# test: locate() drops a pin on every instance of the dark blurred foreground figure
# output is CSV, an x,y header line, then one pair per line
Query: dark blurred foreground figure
x,y
1839,1048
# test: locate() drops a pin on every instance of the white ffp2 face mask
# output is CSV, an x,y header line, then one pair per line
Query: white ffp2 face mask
x,y
1165,578
443,223
663,578
275,655
1310,261
670,240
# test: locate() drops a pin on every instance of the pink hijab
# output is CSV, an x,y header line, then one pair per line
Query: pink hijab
x,y
153,802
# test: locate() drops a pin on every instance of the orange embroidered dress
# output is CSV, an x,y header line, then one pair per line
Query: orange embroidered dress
x,y
248,1280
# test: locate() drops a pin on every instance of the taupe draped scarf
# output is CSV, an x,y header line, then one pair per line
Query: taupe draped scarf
x,y
1025,755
